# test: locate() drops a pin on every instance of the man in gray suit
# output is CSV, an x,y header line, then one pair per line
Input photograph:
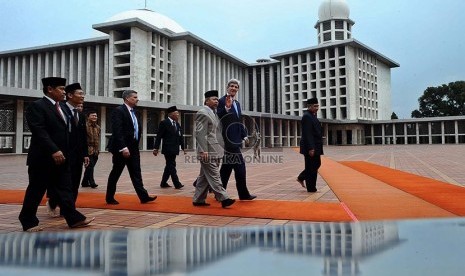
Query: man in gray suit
x,y
210,151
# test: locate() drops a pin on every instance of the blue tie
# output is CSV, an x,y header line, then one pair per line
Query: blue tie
x,y
136,126
235,108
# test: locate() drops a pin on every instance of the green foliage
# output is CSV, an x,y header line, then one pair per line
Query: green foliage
x,y
394,116
444,100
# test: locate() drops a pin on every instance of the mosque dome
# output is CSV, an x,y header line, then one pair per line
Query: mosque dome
x,y
333,9
156,19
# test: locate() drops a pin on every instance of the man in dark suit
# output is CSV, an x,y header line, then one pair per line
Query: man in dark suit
x,y
171,132
234,132
77,136
124,145
48,158
311,144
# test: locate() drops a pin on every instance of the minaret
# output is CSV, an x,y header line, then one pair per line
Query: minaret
x,y
333,21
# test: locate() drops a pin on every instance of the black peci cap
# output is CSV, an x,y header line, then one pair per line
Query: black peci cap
x,y
53,81
211,93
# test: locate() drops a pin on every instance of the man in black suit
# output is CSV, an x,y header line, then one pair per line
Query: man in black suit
x,y
77,136
234,132
170,131
48,158
311,144
124,145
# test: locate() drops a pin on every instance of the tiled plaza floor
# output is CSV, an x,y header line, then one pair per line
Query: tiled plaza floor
x,y
271,178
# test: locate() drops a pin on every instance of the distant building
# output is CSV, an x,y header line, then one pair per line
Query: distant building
x,y
150,53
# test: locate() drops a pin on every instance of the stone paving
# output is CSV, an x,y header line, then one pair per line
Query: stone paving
x,y
272,177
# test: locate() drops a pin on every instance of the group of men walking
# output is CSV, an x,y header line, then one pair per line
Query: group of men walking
x,y
62,142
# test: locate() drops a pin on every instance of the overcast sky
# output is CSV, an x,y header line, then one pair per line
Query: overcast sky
x,y
425,37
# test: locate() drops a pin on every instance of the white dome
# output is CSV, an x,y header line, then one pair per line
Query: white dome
x,y
333,9
158,20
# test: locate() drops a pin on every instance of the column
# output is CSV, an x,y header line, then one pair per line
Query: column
x,y
394,134
144,129
443,136
430,137
456,132
103,127
19,126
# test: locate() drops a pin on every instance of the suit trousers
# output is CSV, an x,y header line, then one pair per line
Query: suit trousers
x,y
312,164
209,177
170,170
58,180
133,165
75,164
235,161
88,178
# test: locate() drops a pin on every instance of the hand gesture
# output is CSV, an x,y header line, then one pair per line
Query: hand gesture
x,y
229,101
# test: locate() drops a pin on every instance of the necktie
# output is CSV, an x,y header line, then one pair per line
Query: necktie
x,y
75,116
57,106
235,108
174,126
136,126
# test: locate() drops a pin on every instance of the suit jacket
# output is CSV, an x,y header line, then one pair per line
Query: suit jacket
x,y
233,129
49,133
172,138
208,133
312,137
122,134
77,133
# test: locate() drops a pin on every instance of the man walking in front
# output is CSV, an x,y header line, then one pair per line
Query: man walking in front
x,y
48,158
311,144
124,145
170,132
209,151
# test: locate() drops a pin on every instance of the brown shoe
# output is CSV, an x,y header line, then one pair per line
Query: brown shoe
x,y
34,229
83,223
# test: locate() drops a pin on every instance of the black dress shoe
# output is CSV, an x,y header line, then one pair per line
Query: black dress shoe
x,y
148,199
312,190
200,204
227,202
112,201
165,185
250,197
179,186
93,186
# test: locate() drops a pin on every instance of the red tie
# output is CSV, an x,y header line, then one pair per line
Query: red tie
x,y
57,105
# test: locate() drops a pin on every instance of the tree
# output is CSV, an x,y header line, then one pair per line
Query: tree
x,y
394,116
444,100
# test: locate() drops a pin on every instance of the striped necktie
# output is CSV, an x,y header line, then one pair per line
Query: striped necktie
x,y
136,126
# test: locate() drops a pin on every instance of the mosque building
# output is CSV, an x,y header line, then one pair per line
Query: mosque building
x,y
167,65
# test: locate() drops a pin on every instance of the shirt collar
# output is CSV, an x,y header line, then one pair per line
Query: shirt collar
x,y
71,107
50,99
128,107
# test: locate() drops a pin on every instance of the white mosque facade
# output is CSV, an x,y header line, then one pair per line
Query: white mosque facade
x,y
167,65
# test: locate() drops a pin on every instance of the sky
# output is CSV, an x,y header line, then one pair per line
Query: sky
x,y
425,37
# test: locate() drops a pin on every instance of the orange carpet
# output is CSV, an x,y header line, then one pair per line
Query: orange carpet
x,y
444,195
267,209
368,198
